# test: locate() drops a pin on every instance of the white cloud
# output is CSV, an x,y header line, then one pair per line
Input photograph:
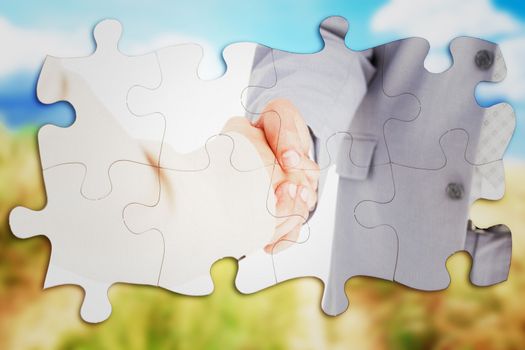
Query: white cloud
x,y
439,21
25,49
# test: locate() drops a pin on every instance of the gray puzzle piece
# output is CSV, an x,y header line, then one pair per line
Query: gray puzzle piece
x,y
447,99
358,250
379,107
430,215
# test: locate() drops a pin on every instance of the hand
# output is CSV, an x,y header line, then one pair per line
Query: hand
x,y
281,134
289,139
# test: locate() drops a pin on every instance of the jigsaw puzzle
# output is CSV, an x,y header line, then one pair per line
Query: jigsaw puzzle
x,y
161,174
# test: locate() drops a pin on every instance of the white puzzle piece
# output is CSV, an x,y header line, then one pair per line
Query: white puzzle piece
x,y
91,246
210,214
104,130
194,108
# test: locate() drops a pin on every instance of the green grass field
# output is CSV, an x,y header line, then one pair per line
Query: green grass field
x,y
382,315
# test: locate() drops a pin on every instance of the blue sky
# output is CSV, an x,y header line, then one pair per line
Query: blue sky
x,y
30,29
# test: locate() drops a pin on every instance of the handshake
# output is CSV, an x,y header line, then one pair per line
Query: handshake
x,y
280,134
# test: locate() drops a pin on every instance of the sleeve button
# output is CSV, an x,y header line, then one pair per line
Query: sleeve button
x,y
455,191
484,59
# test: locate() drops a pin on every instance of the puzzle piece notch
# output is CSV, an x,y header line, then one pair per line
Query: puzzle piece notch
x,y
91,246
187,196
434,91
97,86
179,96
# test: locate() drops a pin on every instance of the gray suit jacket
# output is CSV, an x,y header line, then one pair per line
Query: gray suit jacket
x,y
349,97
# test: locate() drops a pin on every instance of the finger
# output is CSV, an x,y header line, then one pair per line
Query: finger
x,y
309,197
288,225
312,172
282,136
285,242
285,201
290,211
285,209
298,177
307,191
286,109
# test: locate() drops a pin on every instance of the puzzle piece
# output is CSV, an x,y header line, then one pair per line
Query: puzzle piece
x,y
91,246
439,228
232,228
194,109
447,100
104,131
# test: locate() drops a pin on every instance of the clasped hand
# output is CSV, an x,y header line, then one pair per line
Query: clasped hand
x,y
280,134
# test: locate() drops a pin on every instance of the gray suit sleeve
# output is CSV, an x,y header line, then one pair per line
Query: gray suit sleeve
x,y
326,87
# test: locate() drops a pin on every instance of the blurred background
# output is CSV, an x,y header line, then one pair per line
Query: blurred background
x,y
382,315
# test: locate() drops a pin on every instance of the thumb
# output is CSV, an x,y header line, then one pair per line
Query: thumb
x,y
282,136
